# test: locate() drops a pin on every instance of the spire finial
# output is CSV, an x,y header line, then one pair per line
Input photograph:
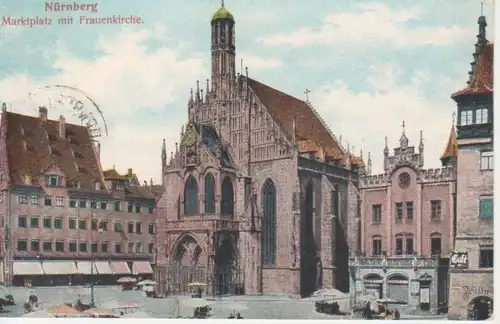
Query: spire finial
x,y
482,4
386,144
307,94
403,125
222,3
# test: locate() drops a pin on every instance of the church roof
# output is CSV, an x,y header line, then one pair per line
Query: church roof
x,y
451,147
310,131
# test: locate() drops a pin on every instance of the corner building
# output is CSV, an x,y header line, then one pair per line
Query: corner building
x,y
407,217
471,291
63,220
260,196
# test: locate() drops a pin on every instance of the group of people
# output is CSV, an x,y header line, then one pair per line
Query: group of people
x,y
382,310
238,316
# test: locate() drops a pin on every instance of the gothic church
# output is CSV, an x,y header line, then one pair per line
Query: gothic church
x,y
260,196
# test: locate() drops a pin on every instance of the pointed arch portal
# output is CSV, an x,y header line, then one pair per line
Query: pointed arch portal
x,y
187,265
227,275
308,254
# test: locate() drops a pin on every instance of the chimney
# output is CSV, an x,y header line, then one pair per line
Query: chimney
x,y
151,183
129,172
62,125
43,113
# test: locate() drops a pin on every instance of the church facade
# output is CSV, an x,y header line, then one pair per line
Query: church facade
x,y
260,196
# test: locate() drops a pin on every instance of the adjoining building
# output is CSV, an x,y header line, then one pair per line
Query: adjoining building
x,y
261,197
471,275
59,211
407,222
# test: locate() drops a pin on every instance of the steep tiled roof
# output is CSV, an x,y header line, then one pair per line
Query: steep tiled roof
x,y
451,147
34,145
310,131
112,174
482,77
284,108
134,191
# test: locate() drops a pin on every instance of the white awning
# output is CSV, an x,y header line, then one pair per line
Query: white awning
x,y
27,268
85,268
140,267
103,267
119,267
65,267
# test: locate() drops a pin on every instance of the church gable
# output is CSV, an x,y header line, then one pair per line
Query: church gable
x,y
296,116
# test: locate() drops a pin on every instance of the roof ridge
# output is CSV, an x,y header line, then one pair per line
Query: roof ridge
x,y
328,129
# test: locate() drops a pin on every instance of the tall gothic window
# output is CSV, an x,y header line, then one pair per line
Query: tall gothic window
x,y
209,194
190,197
227,198
269,224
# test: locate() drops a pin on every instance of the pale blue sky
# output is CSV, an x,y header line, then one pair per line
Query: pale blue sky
x,y
369,65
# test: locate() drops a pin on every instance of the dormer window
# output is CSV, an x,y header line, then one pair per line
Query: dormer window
x,y
27,179
52,180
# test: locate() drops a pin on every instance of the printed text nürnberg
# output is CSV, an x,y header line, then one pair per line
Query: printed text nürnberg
x,y
58,7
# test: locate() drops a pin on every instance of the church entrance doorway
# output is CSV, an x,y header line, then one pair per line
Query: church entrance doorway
x,y
227,275
308,256
187,266
480,308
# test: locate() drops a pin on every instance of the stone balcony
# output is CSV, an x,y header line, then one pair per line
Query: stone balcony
x,y
202,224
394,262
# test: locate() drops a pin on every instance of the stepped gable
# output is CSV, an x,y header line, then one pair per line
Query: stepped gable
x,y
310,131
33,145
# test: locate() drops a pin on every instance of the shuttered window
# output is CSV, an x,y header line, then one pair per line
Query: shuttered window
x,y
486,207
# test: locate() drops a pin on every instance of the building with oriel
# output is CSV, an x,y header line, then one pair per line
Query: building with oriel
x,y
261,197
63,219
471,289
407,223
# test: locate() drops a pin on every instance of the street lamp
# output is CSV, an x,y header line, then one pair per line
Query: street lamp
x,y
92,298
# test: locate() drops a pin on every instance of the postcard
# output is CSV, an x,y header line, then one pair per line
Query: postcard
x,y
247,159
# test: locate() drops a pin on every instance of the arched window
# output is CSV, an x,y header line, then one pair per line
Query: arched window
x,y
268,223
209,194
190,197
227,198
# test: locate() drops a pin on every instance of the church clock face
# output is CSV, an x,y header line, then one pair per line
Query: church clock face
x,y
189,138
404,180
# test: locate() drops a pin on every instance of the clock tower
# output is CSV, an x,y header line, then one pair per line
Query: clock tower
x,y
223,53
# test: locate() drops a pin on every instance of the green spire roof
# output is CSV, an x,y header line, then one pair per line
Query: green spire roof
x,y
222,13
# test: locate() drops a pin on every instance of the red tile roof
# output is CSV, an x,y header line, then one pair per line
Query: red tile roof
x,y
310,132
482,78
34,145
